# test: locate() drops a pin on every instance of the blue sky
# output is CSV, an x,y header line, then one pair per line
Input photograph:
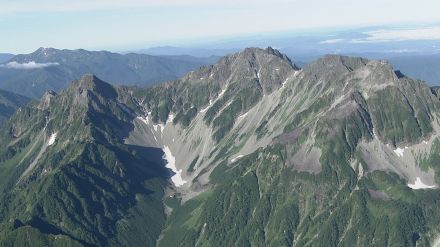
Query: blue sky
x,y
26,25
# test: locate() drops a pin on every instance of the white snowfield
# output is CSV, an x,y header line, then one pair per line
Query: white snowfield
x,y
206,108
284,83
418,184
159,126
236,158
143,119
170,118
52,139
171,164
156,127
287,79
399,151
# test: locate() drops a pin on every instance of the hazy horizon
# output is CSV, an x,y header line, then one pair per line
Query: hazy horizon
x,y
134,24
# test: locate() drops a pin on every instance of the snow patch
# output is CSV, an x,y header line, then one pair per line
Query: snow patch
x,y
211,102
52,139
227,104
399,151
206,108
284,83
159,126
374,133
337,101
241,117
171,164
418,184
144,119
236,158
360,171
170,118
222,92
287,79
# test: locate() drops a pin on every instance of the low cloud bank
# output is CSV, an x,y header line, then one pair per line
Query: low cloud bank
x,y
29,65
391,35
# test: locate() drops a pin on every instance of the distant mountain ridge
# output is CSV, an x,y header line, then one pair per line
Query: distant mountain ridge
x,y
52,69
192,51
5,57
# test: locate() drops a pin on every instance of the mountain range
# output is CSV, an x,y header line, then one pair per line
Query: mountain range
x,y
193,51
52,69
250,151
423,64
5,57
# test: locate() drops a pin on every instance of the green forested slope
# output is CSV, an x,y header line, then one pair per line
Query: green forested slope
x,y
86,188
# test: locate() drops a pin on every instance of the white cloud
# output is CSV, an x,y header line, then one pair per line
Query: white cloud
x,y
332,41
403,51
29,65
386,35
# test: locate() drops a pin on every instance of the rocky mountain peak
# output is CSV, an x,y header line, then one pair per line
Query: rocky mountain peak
x,y
92,83
88,88
46,99
336,64
367,75
42,51
254,69
255,53
264,68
